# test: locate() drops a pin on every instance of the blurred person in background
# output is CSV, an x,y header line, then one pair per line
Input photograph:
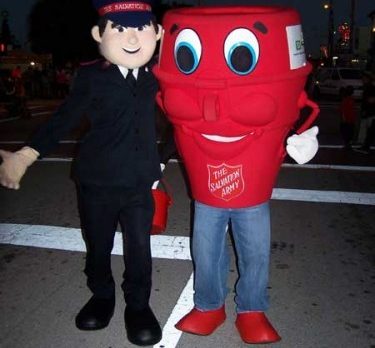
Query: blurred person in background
x,y
367,122
348,116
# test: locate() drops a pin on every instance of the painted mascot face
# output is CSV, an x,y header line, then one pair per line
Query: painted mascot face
x,y
219,71
231,82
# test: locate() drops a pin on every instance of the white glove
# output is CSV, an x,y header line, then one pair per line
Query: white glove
x,y
303,147
14,166
156,183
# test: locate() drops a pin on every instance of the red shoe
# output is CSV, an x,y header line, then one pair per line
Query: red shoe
x,y
201,322
254,327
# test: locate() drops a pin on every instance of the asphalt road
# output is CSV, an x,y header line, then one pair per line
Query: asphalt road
x,y
322,276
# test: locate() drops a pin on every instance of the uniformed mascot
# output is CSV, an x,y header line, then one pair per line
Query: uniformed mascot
x,y
232,82
117,164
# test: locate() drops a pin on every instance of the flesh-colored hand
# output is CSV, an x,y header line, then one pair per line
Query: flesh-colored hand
x,y
14,166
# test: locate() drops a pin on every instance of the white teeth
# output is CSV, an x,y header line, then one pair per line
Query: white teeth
x,y
221,139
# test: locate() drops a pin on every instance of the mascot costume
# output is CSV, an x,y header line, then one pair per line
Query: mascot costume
x,y
117,164
232,83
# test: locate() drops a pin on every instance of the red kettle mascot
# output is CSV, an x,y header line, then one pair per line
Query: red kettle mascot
x,y
232,82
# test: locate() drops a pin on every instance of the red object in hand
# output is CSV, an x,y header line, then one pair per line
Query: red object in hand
x,y
162,201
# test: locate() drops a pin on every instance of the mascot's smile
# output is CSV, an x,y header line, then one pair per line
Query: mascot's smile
x,y
131,51
222,139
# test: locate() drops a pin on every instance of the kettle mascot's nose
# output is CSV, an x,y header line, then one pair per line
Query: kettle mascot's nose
x,y
211,107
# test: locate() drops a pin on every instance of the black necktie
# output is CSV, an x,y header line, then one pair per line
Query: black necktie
x,y
130,79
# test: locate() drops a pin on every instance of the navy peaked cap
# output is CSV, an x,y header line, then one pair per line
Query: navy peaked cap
x,y
126,13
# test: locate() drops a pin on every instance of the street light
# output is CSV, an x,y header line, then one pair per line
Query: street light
x,y
329,7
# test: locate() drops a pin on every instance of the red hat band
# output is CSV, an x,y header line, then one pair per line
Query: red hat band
x,y
124,7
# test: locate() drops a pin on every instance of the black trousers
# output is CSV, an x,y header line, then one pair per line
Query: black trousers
x,y
101,210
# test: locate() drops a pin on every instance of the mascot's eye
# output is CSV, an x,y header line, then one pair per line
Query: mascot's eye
x,y
187,51
241,51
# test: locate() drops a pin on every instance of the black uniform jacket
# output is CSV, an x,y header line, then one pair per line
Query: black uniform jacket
x,y
120,147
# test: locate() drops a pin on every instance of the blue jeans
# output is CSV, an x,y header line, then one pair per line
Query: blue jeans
x,y
251,232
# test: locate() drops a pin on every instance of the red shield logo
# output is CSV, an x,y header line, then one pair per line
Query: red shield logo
x,y
225,182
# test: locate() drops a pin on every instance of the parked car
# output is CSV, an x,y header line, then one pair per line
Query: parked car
x,y
332,81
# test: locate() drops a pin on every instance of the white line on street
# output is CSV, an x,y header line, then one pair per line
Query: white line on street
x,y
41,113
185,303
34,114
52,237
329,166
9,119
361,198
62,238
56,159
332,146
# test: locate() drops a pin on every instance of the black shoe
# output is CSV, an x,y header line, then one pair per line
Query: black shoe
x,y
95,314
142,327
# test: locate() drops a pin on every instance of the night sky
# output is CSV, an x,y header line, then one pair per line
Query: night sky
x,y
314,17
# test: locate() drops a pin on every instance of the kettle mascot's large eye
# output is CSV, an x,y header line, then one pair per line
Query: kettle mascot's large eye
x,y
187,51
241,51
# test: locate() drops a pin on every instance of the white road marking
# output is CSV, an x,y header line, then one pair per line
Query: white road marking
x,y
163,246
185,303
332,146
63,238
33,114
361,198
9,119
41,113
168,247
329,166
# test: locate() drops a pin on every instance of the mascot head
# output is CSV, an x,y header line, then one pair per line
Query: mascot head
x,y
127,32
231,81
228,73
